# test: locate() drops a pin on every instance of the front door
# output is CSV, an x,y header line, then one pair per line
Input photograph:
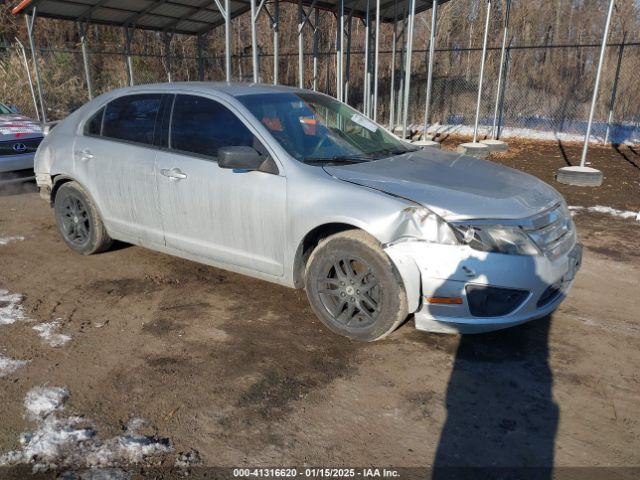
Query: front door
x,y
228,216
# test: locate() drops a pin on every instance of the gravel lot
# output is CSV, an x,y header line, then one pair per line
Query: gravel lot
x,y
187,362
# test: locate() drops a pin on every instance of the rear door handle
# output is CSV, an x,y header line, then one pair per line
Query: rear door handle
x,y
173,173
85,154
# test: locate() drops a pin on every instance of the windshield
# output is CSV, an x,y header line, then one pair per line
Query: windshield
x,y
317,129
4,110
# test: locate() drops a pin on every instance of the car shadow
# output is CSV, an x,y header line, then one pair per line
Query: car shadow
x,y
501,416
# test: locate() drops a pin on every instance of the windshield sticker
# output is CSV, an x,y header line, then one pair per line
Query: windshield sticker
x,y
364,122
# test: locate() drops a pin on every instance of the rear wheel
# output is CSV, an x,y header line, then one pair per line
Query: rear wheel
x,y
354,288
78,220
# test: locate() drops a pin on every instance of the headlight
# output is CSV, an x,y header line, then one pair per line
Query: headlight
x,y
496,238
421,224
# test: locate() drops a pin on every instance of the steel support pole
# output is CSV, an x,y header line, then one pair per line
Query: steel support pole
x,y
592,110
484,55
392,73
127,35
254,42
614,90
366,80
315,48
26,67
200,46
347,67
167,55
432,51
276,41
300,45
227,38
342,90
31,20
494,127
403,54
376,62
407,72
85,59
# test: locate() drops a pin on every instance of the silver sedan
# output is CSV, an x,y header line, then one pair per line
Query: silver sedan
x,y
297,188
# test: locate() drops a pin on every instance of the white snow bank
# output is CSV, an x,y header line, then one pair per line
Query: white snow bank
x,y
72,442
10,365
42,401
512,132
8,240
607,211
49,333
10,307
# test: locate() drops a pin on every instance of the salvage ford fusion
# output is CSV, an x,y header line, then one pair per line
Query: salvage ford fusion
x,y
297,188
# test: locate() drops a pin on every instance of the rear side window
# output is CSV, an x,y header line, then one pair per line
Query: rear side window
x,y
132,118
94,125
202,126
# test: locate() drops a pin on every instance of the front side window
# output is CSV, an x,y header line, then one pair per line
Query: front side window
x,y
316,129
132,118
200,125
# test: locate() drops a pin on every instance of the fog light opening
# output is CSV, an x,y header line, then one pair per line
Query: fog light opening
x,y
485,301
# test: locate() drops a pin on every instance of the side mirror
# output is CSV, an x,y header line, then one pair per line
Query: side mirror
x,y
239,157
14,109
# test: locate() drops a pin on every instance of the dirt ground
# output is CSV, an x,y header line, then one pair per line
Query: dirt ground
x,y
240,371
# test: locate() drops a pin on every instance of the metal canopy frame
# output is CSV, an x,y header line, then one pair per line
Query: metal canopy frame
x,y
199,17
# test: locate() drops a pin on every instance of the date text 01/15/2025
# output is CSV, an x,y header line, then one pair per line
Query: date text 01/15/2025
x,y
315,473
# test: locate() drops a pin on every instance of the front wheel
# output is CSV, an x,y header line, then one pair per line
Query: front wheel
x,y
354,288
78,220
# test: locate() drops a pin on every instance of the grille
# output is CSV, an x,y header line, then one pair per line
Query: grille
x,y
31,145
553,231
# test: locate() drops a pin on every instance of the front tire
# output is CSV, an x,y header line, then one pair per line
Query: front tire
x,y
354,288
78,220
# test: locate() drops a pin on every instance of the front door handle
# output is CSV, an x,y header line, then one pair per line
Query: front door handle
x,y
173,173
85,154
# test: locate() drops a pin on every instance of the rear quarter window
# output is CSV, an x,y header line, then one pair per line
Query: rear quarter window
x,y
132,118
94,125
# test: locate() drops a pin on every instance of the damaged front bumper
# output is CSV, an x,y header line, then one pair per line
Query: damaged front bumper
x,y
475,285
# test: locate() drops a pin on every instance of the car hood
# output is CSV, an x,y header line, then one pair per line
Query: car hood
x,y
14,126
454,186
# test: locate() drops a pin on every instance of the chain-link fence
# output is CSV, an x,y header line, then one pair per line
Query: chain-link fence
x,y
546,90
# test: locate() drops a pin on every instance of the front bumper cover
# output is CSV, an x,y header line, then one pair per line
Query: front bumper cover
x,y
445,271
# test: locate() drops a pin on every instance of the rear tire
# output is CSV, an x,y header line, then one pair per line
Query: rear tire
x,y
354,288
78,220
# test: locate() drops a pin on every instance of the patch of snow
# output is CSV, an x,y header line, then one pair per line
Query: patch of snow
x,y
49,333
72,442
40,402
10,307
607,211
8,240
10,365
512,132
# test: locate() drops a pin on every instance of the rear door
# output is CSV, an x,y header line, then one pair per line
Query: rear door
x,y
230,216
115,160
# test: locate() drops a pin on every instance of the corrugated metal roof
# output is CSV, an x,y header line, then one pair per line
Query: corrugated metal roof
x,y
191,17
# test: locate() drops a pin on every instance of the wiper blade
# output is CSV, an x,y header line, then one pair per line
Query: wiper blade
x,y
394,151
337,159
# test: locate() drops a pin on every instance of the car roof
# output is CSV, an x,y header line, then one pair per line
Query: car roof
x,y
228,88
